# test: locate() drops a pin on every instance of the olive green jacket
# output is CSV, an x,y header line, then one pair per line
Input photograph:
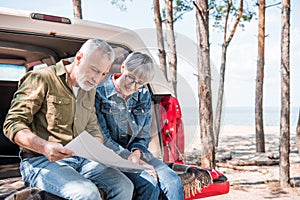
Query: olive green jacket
x,y
45,104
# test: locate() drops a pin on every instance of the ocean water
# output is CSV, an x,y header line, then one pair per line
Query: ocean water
x,y
242,116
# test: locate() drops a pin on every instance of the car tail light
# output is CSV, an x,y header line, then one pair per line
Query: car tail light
x,y
172,129
50,18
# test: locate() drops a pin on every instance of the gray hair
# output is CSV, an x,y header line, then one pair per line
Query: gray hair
x,y
93,44
141,65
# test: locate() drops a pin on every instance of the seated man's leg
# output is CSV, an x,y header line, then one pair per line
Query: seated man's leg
x,y
146,187
170,183
59,178
112,181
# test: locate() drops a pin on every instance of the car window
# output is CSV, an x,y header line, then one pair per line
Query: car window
x,y
40,66
121,53
13,72
10,72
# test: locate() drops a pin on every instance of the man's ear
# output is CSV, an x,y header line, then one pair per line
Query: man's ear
x,y
78,57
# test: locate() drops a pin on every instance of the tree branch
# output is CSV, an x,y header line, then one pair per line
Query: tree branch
x,y
275,4
236,22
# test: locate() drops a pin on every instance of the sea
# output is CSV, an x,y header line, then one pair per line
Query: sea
x,y
242,116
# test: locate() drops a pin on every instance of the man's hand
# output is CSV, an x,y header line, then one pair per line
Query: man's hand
x,y
52,150
55,151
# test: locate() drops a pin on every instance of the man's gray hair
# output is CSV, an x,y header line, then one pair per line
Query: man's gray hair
x,y
92,44
141,65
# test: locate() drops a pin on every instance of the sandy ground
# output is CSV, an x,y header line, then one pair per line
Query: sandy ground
x,y
250,182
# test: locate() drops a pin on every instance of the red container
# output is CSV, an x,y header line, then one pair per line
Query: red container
x,y
219,186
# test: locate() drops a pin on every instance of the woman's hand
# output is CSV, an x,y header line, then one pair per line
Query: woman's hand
x,y
135,156
150,169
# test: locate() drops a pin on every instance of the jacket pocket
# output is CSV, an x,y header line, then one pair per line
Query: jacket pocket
x,y
110,109
141,111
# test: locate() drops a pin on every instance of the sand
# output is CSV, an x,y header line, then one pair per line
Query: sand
x,y
252,181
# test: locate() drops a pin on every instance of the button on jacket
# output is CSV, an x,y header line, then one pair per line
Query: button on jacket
x,y
45,104
125,123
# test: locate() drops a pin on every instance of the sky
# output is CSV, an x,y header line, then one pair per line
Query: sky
x,y
241,54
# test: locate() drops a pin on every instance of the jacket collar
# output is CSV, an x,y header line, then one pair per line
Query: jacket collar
x,y
111,90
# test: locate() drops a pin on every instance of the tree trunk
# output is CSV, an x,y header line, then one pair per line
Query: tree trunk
x,y
259,127
160,38
204,86
172,57
225,44
77,11
220,94
284,162
298,134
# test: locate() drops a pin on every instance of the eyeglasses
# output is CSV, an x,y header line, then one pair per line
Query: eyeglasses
x,y
132,80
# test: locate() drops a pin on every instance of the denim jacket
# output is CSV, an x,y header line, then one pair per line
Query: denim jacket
x,y
125,123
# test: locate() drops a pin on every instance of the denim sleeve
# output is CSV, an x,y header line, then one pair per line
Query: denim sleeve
x,y
108,141
142,140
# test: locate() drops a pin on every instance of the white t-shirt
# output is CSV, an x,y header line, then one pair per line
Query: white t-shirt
x,y
75,90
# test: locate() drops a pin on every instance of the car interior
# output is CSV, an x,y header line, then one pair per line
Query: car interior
x,y
31,50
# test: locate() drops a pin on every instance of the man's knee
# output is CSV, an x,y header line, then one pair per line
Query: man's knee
x,y
88,193
126,185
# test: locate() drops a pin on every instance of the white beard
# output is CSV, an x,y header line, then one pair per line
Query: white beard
x,y
81,80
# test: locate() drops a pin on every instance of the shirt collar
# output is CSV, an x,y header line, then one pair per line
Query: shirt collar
x,y
61,71
111,89
60,67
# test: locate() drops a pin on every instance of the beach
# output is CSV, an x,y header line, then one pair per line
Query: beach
x,y
249,181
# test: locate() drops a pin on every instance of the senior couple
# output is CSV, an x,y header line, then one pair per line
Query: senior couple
x,y
53,105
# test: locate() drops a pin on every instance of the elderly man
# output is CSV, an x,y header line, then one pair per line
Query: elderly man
x,y
51,107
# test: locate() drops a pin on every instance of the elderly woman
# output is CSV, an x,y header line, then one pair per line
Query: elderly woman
x,y
123,106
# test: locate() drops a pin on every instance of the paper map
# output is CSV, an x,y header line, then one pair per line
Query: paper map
x,y
85,145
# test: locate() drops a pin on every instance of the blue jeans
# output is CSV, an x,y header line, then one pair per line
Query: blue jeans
x,y
75,178
169,183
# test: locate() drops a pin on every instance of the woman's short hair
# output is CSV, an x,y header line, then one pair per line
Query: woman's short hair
x,y
141,65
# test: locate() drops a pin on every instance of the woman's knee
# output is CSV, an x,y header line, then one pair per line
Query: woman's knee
x,y
177,181
123,189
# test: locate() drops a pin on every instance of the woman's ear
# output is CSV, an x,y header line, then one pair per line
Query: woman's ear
x,y
122,68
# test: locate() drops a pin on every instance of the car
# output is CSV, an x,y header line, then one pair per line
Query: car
x,y
30,40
